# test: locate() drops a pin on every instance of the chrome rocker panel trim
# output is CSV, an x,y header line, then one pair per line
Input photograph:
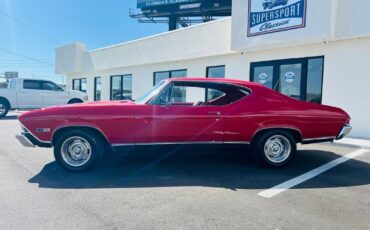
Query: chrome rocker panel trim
x,y
183,143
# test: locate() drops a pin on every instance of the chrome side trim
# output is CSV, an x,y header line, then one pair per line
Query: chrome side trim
x,y
23,140
319,139
182,143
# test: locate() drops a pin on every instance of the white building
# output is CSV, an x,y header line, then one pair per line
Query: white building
x,y
309,49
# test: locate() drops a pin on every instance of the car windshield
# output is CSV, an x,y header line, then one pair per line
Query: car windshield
x,y
154,91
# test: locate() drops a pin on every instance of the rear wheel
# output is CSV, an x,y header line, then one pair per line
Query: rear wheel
x,y
274,148
4,108
78,150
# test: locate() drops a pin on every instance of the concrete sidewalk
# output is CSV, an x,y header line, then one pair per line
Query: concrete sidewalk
x,y
352,142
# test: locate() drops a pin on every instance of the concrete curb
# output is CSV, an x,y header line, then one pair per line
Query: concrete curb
x,y
354,143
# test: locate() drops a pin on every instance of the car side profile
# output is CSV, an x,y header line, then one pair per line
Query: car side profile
x,y
23,93
185,111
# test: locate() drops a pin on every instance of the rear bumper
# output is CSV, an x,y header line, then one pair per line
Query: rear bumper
x,y
345,130
21,137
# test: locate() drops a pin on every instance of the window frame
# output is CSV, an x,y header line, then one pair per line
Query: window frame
x,y
276,64
53,83
207,75
171,84
170,72
121,86
95,88
80,84
216,66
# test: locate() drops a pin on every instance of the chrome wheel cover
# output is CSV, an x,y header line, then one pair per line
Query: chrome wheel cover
x,y
277,148
2,109
76,151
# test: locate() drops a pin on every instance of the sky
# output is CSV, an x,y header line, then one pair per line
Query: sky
x,y
30,30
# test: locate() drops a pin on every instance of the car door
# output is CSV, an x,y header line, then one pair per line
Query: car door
x,y
175,117
52,94
30,95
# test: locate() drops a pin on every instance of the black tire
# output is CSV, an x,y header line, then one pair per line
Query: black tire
x,y
274,148
66,146
4,108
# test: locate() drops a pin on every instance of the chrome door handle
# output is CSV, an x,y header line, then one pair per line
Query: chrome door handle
x,y
215,112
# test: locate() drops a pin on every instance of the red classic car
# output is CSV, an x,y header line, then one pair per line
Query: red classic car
x,y
185,111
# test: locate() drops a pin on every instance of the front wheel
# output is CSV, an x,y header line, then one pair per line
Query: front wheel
x,y
275,148
4,109
77,150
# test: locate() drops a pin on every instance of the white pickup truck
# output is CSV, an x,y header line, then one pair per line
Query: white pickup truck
x,y
33,94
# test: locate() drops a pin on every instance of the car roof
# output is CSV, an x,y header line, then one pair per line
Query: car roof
x,y
32,79
217,80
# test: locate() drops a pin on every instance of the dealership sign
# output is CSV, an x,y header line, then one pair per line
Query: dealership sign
x,y
268,16
151,3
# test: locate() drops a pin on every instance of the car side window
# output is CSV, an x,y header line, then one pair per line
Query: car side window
x,y
32,84
46,85
206,93
163,97
13,84
200,94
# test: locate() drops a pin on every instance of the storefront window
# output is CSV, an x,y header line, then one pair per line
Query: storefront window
x,y
159,76
97,89
314,79
79,84
121,87
214,72
299,78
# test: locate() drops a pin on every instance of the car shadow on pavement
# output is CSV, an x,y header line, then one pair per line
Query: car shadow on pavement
x,y
12,117
224,168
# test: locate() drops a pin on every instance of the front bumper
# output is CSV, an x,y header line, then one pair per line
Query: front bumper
x,y
345,130
21,137
27,139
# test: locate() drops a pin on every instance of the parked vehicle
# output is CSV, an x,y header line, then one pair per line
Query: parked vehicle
x,y
269,4
34,94
244,113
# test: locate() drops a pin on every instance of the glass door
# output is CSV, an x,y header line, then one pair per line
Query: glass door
x,y
290,80
299,78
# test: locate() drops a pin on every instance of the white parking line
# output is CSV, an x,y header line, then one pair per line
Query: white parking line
x,y
315,172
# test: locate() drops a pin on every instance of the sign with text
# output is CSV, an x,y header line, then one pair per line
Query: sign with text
x,y
152,3
269,16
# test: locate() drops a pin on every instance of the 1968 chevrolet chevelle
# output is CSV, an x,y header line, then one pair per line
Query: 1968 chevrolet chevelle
x,y
185,111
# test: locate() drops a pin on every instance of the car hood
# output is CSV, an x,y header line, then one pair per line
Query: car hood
x,y
74,109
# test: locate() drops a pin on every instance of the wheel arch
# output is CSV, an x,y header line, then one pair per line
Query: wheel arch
x,y
7,102
85,128
295,132
75,100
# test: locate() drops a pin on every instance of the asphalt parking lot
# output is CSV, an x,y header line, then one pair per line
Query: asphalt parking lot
x,y
184,189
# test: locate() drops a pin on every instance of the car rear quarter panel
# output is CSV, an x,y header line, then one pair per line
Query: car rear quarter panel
x,y
264,109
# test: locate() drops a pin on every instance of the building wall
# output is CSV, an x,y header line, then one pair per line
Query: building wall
x,y
345,74
203,40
